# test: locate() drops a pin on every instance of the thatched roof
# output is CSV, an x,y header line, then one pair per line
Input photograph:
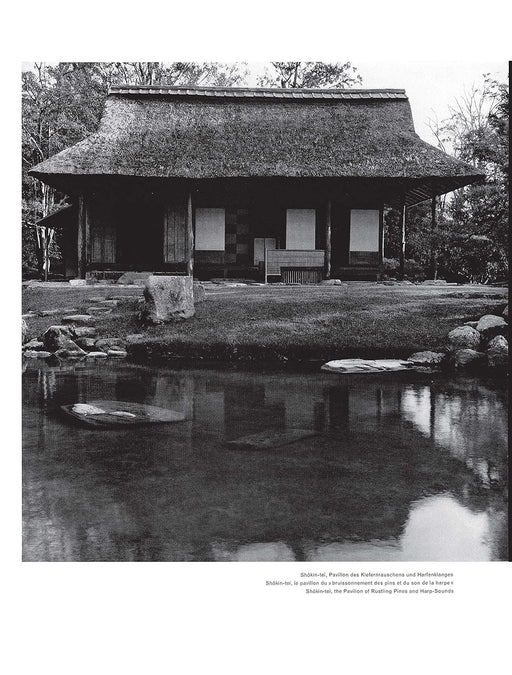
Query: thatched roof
x,y
202,132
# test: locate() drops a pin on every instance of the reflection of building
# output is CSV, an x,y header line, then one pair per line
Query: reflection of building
x,y
177,492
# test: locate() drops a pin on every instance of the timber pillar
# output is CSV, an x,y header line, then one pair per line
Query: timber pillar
x,y
190,236
328,228
402,241
433,235
83,239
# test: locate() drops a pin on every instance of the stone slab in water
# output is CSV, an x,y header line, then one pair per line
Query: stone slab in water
x,y
366,365
266,440
102,413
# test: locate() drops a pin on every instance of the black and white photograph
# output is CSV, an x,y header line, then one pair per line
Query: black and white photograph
x,y
261,262
263,322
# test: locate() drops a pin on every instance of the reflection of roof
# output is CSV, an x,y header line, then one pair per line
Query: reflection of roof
x,y
209,132
61,218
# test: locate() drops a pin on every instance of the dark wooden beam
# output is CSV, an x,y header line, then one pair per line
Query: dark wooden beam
x,y
433,235
402,242
82,237
190,236
327,260
381,235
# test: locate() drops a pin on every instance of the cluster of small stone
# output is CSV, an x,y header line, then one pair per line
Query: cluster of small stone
x,y
476,344
76,337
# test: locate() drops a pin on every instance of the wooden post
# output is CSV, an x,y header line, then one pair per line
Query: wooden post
x,y
190,237
402,243
433,243
328,219
82,237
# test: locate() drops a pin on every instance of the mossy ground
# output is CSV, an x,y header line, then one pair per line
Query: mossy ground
x,y
252,323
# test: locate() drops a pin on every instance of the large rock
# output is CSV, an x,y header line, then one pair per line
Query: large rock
x,y
491,325
56,337
86,343
497,352
427,359
168,298
83,331
70,350
199,293
332,282
464,337
468,358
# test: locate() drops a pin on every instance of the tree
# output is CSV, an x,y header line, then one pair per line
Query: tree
x,y
62,104
471,239
309,74
474,242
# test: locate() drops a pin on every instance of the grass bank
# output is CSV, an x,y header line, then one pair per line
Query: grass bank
x,y
285,323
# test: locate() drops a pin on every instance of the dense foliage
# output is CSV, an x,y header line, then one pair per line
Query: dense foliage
x,y
62,103
470,242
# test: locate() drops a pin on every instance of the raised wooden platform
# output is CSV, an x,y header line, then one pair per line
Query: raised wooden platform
x,y
357,273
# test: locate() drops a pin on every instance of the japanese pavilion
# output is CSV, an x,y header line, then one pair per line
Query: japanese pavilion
x,y
274,184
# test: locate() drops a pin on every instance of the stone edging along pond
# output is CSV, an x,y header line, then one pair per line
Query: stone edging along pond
x,y
476,345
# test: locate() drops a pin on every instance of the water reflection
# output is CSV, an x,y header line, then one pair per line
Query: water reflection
x,y
401,469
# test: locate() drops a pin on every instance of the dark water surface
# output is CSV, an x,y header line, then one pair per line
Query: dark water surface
x,y
404,467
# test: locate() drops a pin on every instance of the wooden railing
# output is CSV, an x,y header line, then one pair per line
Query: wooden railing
x,y
279,258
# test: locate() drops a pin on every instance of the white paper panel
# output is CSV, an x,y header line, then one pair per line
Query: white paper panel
x,y
210,229
364,230
300,229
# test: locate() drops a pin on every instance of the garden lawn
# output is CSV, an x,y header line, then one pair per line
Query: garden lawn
x,y
367,320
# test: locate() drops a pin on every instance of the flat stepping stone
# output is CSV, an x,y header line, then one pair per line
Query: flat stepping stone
x,y
117,353
366,366
267,440
120,413
54,312
84,331
98,309
78,318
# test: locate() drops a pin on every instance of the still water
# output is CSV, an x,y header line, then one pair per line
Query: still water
x,y
404,467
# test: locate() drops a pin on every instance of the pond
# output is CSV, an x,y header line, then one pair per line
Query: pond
x,y
401,467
